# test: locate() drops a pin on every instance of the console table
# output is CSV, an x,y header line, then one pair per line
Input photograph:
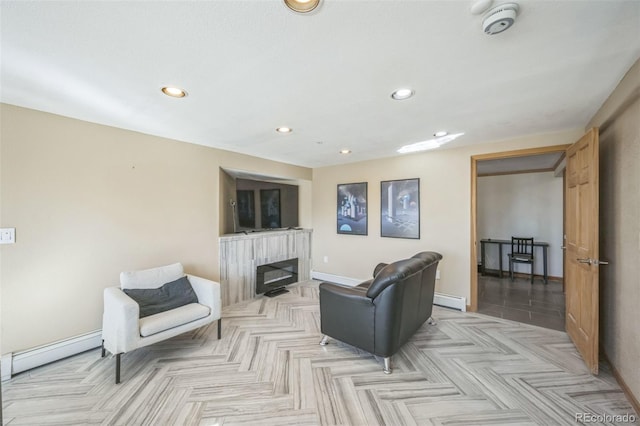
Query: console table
x,y
501,243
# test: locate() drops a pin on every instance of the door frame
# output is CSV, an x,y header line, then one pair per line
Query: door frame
x,y
473,306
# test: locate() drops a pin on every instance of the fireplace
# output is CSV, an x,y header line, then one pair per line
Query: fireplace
x,y
241,254
273,277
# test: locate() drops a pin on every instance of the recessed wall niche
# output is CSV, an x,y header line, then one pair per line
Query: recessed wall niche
x,y
243,196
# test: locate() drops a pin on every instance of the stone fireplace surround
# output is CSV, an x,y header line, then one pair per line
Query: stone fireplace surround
x,y
241,254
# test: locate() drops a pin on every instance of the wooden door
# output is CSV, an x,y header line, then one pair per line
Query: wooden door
x,y
581,279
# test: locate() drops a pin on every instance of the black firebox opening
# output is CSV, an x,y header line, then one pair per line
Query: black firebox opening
x,y
273,277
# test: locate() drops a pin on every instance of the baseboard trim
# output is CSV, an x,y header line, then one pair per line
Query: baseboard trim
x,y
32,358
627,391
440,299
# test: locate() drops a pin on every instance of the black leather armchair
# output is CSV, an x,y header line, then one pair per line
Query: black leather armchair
x,y
381,314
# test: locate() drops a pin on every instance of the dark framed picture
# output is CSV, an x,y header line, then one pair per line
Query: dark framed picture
x,y
270,208
246,208
352,208
400,208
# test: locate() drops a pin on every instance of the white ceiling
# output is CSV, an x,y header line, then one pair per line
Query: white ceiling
x,y
251,66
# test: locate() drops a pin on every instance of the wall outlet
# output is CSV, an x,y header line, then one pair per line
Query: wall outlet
x,y
437,274
325,259
7,235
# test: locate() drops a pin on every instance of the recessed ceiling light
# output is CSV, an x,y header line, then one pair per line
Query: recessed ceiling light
x,y
428,144
284,130
402,94
302,6
174,92
441,133
345,151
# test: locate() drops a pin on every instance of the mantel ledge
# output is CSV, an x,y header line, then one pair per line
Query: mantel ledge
x,y
261,234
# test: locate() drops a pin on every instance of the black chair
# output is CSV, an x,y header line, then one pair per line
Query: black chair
x,y
381,314
521,252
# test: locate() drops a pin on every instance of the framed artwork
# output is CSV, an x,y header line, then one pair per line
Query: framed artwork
x,y
400,208
246,208
352,208
270,208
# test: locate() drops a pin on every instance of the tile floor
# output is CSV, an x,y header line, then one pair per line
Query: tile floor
x,y
536,304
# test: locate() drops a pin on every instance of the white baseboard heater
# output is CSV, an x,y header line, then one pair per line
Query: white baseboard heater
x,y
449,301
18,362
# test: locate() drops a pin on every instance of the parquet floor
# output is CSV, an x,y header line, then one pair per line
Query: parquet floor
x,y
268,369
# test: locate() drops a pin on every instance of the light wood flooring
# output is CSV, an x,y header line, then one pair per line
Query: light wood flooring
x,y
268,369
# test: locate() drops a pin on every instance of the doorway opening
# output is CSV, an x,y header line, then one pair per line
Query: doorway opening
x,y
518,194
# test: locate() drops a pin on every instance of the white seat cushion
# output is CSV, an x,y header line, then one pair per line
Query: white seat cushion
x,y
169,319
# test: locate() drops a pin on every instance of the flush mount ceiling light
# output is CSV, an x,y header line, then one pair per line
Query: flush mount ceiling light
x,y
345,151
302,6
174,92
441,133
402,94
284,130
428,144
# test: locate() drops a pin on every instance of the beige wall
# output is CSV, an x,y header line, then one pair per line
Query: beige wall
x,y
445,188
89,201
619,122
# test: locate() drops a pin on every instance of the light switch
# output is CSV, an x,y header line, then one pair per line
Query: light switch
x,y
7,235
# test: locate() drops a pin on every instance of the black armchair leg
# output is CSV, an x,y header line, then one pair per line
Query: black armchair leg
x,y
118,368
103,349
219,328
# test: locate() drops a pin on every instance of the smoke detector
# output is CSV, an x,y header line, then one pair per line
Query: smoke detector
x,y
500,18
479,6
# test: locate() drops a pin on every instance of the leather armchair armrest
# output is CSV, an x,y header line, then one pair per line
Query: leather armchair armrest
x,y
347,314
365,284
378,268
354,293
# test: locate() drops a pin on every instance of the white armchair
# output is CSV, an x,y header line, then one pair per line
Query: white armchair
x,y
122,328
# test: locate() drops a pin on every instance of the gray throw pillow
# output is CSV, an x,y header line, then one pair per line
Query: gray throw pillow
x,y
170,296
